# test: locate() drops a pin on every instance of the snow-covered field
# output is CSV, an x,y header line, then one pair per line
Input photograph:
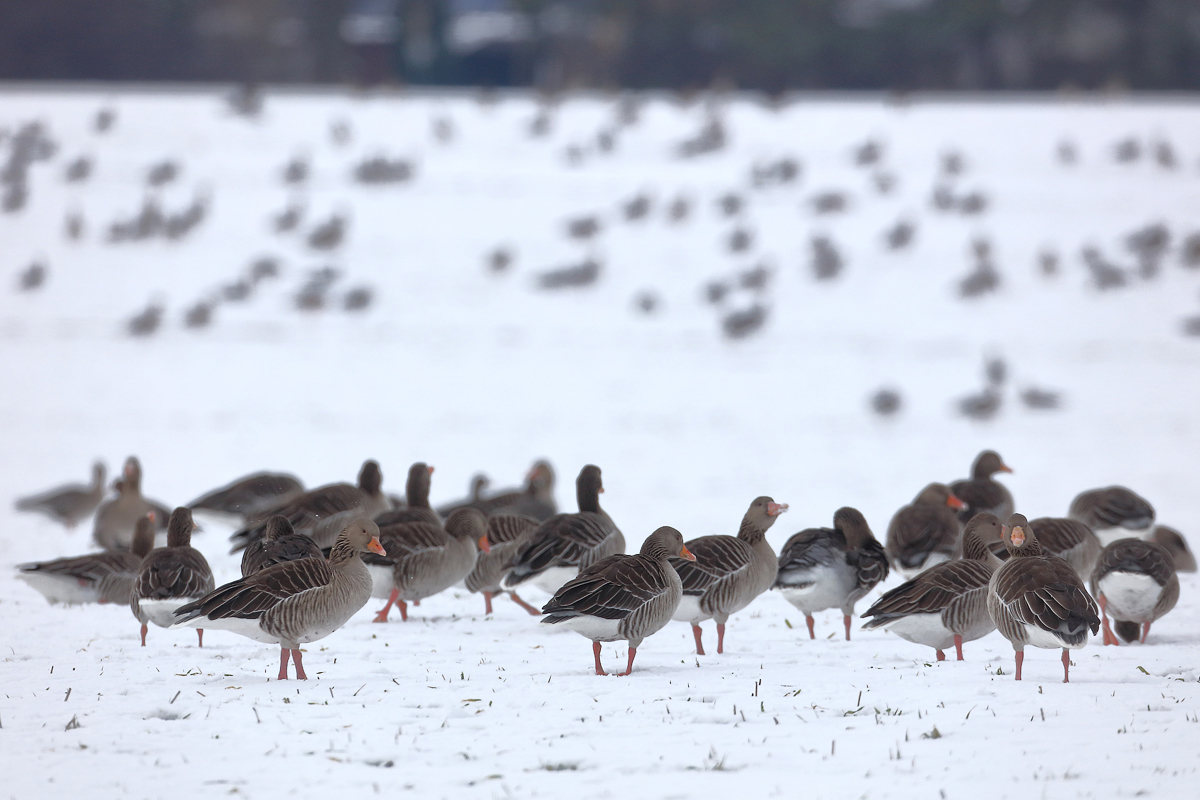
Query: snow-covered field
x,y
472,370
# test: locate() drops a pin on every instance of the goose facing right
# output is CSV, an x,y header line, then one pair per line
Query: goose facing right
x,y
1135,583
68,505
294,602
924,532
280,543
981,492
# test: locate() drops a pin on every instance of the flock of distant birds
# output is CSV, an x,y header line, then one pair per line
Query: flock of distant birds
x,y
313,558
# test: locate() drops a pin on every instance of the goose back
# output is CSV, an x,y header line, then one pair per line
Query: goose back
x,y
1138,581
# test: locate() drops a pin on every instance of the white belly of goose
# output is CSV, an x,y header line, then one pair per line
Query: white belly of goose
x,y
926,629
552,579
824,587
61,588
381,580
933,560
1130,595
688,610
1036,637
162,612
244,627
594,628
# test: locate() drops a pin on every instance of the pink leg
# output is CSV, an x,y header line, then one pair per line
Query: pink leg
x,y
596,653
941,656
629,668
1020,659
524,605
416,602
720,638
1109,636
300,676
1066,665
284,654
487,602
958,646
846,619
699,645
812,634
200,636
1145,632
143,635
400,604
382,614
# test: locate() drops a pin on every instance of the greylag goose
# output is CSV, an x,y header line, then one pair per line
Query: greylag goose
x,y
170,576
566,544
822,568
70,504
506,534
280,543
1177,546
1039,600
249,497
427,559
416,500
323,512
1070,540
94,578
535,500
947,603
294,602
1112,513
981,492
924,533
1135,583
475,495
622,597
116,518
726,573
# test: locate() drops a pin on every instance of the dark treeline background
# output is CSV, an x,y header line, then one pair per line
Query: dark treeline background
x,y
770,45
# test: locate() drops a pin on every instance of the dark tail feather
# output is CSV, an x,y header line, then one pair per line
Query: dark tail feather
x,y
1126,630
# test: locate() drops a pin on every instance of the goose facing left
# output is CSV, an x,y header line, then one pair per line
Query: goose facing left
x,y
70,504
104,577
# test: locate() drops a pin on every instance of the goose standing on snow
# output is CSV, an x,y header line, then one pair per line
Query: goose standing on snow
x,y
171,576
428,559
280,543
622,597
506,534
1039,600
1112,513
104,577
822,568
566,544
947,603
322,513
116,518
68,505
294,602
1070,540
249,497
981,492
924,533
726,573
1135,583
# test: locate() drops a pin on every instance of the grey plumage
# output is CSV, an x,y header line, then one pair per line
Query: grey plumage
x,y
429,559
1136,584
1070,540
1177,546
1112,511
105,577
280,543
68,505
924,532
981,492
506,533
170,576
116,519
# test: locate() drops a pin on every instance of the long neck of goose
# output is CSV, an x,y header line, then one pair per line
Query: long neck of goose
x,y
417,494
752,531
342,553
588,498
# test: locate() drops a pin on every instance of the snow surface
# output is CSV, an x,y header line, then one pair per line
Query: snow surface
x,y
473,371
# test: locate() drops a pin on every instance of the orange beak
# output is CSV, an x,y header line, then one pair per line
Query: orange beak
x,y
775,509
1005,468
483,544
954,502
430,470
1017,536
150,516
685,553
376,547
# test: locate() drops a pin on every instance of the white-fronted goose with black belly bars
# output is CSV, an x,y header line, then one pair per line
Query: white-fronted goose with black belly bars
x,y
622,597
728,572
294,602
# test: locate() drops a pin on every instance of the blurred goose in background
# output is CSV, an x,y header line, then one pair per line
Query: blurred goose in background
x,y
294,602
822,568
475,494
323,512
249,497
117,518
506,533
1112,513
981,492
535,499
1070,540
1135,584
105,577
70,504
622,597
280,543
924,533
170,576
1039,600
726,573
1177,546
565,544
947,603
415,507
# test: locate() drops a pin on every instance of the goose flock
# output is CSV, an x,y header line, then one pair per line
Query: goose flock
x,y
311,559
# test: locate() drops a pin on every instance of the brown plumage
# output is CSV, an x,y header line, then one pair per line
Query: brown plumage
x,y
1177,546
251,496
296,601
280,543
535,499
947,603
117,518
324,512
1112,512
170,576
1070,540
924,533
1037,599
726,573
567,543
105,577
1136,584
70,504
621,596
506,534
981,492
416,500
